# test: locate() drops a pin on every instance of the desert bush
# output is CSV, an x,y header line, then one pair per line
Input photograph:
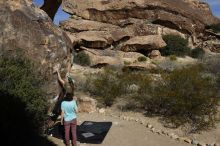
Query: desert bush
x,y
181,96
176,45
149,21
19,79
214,27
82,58
105,86
168,65
111,84
131,82
212,64
197,53
127,63
142,59
184,96
172,57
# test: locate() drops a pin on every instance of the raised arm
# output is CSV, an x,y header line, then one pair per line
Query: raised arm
x,y
76,109
59,78
62,117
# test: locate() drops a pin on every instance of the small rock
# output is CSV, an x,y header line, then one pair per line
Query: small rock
x,y
152,130
170,134
185,139
142,122
136,120
154,54
149,126
174,136
163,132
158,132
195,142
201,144
102,111
215,144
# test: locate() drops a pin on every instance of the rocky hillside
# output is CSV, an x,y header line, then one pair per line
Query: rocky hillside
x,y
27,30
107,29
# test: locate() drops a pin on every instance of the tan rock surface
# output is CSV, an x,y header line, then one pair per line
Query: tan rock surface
x,y
139,43
179,14
86,104
27,29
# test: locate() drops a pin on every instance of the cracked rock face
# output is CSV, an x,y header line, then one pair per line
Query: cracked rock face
x,y
187,16
27,28
136,25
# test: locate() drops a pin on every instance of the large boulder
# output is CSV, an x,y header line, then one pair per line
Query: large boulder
x,y
29,30
183,15
128,25
95,39
155,54
78,25
110,57
86,104
140,43
99,60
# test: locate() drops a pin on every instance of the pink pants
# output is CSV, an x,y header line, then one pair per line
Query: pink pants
x,y
67,125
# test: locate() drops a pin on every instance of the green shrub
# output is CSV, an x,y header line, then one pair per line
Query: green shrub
x,y
142,59
19,79
184,96
176,45
105,86
212,63
112,84
172,57
127,63
214,27
82,58
197,53
155,62
148,21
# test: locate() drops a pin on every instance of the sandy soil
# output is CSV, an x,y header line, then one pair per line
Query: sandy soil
x,y
125,133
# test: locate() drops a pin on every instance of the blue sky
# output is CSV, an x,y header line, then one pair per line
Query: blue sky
x,y
60,16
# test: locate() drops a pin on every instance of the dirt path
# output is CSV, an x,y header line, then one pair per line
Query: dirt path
x,y
125,133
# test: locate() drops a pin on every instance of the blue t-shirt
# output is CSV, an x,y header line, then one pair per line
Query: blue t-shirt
x,y
69,110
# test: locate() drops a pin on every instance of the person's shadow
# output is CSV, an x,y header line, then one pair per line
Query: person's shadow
x,y
88,132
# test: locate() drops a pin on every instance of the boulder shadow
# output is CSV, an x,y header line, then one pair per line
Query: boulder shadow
x,y
89,132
